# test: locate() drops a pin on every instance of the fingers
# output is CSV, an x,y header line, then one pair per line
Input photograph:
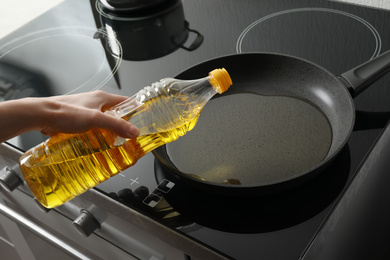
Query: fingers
x,y
110,100
116,125
81,112
101,100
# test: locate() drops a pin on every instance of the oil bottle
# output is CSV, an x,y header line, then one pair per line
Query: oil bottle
x,y
67,165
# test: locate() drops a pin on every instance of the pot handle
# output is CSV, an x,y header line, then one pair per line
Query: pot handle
x,y
361,77
197,41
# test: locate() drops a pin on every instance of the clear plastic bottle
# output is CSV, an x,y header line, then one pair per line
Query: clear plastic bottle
x,y
67,165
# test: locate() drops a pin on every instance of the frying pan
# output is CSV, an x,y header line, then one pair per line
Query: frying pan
x,y
250,139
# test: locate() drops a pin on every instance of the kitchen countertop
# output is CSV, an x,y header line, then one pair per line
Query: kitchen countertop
x,y
385,4
16,13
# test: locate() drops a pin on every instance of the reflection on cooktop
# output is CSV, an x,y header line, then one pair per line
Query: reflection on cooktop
x,y
17,82
63,52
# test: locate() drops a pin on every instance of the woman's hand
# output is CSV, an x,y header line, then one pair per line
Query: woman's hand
x,y
63,114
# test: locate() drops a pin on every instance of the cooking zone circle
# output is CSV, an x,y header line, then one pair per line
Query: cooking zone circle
x,y
60,55
323,28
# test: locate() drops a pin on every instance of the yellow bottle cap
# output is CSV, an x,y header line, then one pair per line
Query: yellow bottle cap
x,y
220,79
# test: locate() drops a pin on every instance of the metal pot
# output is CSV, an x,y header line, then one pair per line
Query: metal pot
x,y
150,33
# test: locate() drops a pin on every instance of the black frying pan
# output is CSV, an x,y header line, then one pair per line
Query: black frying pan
x,y
281,123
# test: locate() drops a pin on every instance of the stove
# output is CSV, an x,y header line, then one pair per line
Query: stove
x,y
81,46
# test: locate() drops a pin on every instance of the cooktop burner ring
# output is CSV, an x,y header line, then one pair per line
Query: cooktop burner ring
x,y
378,41
38,46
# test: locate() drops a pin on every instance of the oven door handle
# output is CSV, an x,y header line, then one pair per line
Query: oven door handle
x,y
41,232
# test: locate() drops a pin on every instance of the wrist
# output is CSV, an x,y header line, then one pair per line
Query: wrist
x,y
21,115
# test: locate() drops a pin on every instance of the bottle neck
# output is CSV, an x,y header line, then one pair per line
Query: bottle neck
x,y
215,84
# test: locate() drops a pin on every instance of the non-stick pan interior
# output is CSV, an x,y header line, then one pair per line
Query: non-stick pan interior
x,y
281,119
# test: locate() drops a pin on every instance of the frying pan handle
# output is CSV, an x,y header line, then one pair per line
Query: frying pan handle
x,y
361,77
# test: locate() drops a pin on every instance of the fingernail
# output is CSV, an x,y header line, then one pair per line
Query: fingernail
x,y
133,131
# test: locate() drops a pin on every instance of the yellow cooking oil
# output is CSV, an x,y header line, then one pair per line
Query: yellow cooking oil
x,y
67,165
81,161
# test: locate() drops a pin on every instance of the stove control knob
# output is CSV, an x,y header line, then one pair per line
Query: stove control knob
x,y
86,223
9,179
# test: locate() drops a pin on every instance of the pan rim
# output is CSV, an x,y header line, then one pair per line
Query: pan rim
x,y
302,175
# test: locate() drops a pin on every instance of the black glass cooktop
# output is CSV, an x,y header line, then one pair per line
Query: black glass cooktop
x,y
82,46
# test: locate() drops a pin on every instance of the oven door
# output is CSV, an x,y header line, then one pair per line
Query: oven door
x,y
26,233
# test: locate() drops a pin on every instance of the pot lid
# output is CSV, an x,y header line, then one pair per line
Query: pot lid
x,y
130,5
